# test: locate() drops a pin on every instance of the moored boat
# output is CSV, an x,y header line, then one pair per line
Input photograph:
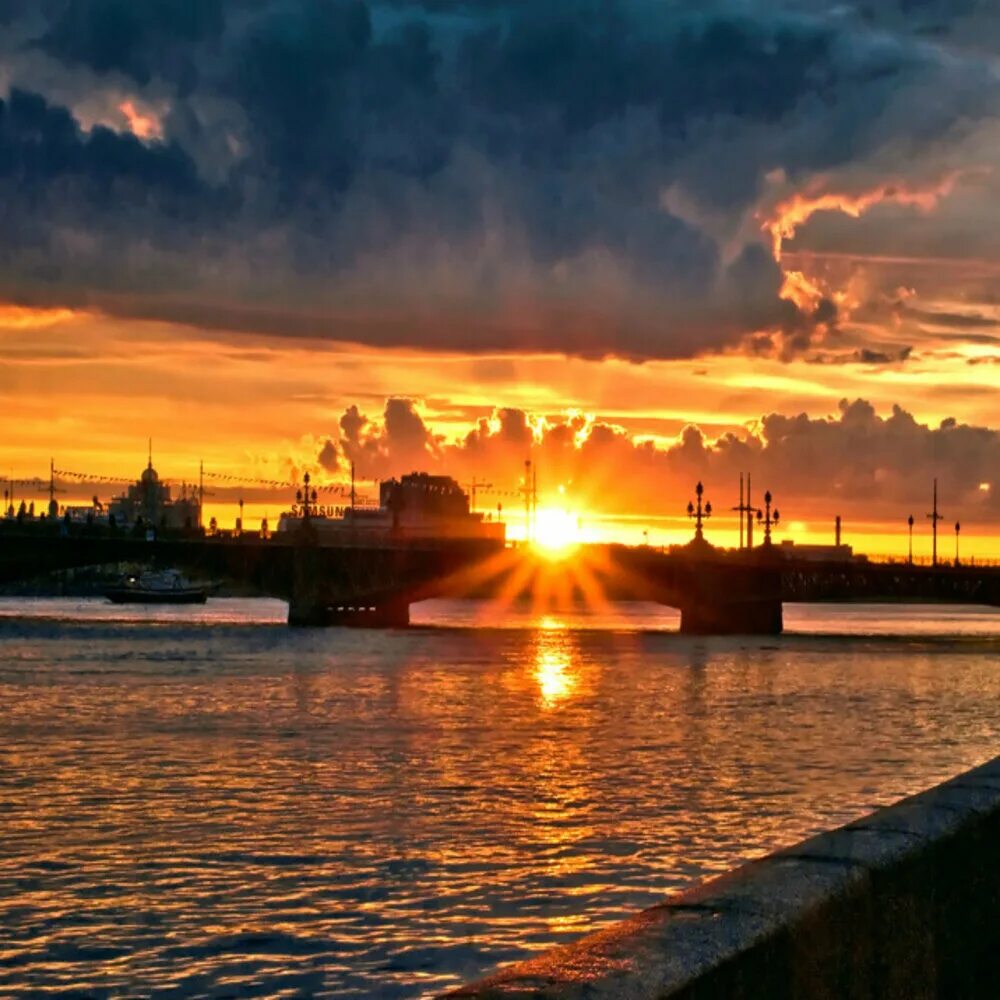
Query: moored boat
x,y
165,587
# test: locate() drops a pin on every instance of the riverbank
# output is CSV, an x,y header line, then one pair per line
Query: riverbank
x,y
904,902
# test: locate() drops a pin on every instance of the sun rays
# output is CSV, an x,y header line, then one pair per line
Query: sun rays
x,y
546,580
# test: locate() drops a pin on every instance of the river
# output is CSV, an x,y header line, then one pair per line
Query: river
x,y
204,802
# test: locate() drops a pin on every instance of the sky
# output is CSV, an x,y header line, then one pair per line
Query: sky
x,y
645,243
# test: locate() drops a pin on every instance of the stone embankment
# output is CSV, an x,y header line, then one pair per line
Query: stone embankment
x,y
904,903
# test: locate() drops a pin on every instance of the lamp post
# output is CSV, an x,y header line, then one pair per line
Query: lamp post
x,y
305,497
909,521
699,513
769,518
958,530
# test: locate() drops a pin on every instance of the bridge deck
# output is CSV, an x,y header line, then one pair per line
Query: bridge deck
x,y
716,591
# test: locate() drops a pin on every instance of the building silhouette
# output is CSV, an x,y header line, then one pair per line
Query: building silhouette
x,y
148,502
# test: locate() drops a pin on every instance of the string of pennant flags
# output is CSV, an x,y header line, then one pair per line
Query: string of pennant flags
x,y
226,479
86,477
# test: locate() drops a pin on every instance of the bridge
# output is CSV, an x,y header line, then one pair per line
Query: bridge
x,y
373,584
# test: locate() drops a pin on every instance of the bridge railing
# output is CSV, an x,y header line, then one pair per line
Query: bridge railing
x,y
895,560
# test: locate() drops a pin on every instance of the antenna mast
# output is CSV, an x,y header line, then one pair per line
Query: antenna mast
x,y
534,500
935,516
527,499
745,509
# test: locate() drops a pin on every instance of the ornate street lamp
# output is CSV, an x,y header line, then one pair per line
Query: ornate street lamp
x,y
700,513
305,497
769,518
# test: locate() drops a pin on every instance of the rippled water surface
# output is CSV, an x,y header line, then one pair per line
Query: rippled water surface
x,y
202,802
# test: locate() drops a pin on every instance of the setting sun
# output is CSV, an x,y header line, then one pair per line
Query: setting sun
x,y
557,532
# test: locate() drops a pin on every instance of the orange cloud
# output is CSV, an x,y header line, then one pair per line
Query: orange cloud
x,y
805,292
28,318
142,124
788,215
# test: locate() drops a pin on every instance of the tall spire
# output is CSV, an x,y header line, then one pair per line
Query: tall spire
x,y
150,463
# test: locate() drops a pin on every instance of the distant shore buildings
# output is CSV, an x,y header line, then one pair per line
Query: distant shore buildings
x,y
417,505
148,502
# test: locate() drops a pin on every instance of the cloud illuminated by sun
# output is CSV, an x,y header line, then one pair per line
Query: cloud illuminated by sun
x,y
13,317
143,123
786,217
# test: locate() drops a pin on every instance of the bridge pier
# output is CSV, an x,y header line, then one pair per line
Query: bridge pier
x,y
352,614
727,599
764,617
346,593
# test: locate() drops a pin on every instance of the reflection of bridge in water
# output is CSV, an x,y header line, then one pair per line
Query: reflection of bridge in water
x,y
717,592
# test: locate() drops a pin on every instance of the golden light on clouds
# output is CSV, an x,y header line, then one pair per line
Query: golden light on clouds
x,y
143,123
14,317
784,220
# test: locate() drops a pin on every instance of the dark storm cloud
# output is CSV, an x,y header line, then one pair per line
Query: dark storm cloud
x,y
41,147
574,176
140,40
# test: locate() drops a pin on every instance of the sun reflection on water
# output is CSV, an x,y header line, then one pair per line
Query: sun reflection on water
x,y
555,672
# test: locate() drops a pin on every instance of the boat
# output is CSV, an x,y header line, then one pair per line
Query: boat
x,y
164,587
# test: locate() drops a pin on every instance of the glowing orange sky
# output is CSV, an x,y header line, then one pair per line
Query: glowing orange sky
x,y
89,389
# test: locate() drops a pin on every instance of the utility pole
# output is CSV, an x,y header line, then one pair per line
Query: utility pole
x,y
473,486
201,490
53,506
534,500
527,499
353,494
935,516
746,512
